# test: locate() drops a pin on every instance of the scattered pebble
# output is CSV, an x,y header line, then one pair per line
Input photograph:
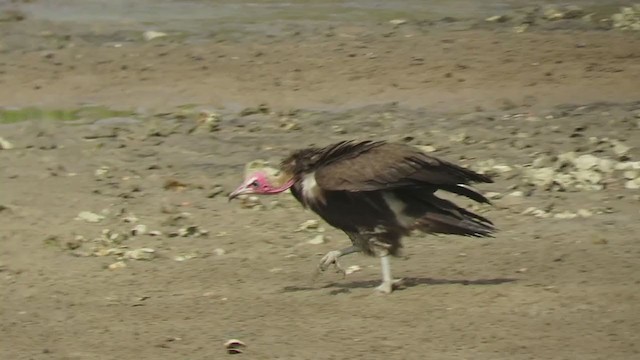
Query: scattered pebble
x,y
536,212
397,22
155,233
5,144
630,174
352,269
89,217
497,18
117,265
251,202
139,229
150,35
308,225
184,257
426,148
585,213
130,218
627,19
632,184
317,240
103,170
565,215
493,195
219,251
140,254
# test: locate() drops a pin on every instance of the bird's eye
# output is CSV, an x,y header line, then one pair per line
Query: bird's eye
x,y
254,183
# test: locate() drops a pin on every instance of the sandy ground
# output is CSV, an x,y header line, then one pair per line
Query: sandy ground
x,y
561,280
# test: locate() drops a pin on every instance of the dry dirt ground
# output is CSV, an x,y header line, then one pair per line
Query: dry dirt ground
x,y
561,280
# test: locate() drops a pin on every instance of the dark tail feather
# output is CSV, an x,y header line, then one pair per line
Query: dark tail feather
x,y
448,218
465,190
446,224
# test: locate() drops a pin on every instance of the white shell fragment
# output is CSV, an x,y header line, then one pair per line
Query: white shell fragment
x,y
351,269
308,225
139,229
140,254
317,240
90,217
234,346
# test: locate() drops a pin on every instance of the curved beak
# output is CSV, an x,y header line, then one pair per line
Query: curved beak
x,y
242,189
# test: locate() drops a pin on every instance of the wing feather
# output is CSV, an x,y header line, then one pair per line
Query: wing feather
x,y
369,166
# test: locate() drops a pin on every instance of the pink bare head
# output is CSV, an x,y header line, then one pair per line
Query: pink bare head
x,y
261,183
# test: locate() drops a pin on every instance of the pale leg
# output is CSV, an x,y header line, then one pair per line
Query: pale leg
x,y
388,283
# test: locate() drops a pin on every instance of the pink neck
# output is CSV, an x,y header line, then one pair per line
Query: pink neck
x,y
282,188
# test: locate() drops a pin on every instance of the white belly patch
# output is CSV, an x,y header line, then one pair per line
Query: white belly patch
x,y
397,206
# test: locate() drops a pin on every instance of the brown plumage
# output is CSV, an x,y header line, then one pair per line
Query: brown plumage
x,y
379,192
357,180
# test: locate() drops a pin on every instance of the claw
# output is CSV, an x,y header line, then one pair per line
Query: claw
x,y
331,258
387,287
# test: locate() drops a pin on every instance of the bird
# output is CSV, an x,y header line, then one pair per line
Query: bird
x,y
377,192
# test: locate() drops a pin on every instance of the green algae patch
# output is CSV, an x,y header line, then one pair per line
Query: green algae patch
x,y
13,115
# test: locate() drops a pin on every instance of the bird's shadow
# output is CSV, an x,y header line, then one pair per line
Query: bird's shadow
x,y
408,282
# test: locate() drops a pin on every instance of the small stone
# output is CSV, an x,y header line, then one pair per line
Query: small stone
x,y
101,171
536,212
630,174
565,215
184,257
397,22
606,165
219,251
522,270
585,213
351,269
5,144
117,265
586,162
600,241
426,148
317,240
627,165
493,195
517,194
588,177
208,120
632,184
140,254
542,177
217,190
502,168
497,18
619,148
542,161
155,233
150,35
188,231
250,202
308,225
130,219
338,129
139,229
89,217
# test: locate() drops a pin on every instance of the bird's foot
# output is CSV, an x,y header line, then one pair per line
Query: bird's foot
x,y
331,258
387,287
